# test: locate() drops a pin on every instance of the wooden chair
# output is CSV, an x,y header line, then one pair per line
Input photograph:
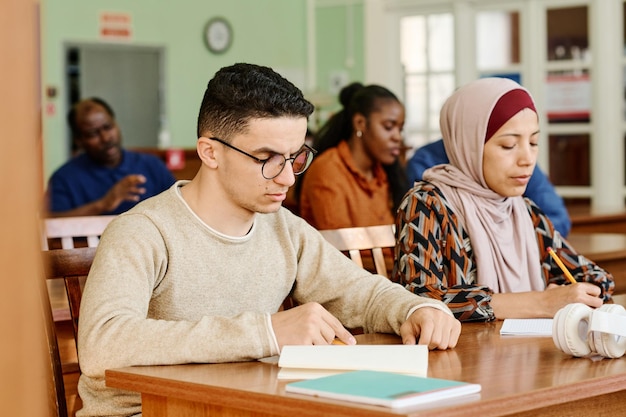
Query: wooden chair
x,y
56,386
72,267
68,233
370,247
71,232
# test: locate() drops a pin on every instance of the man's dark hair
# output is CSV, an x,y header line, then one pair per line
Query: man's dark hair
x,y
242,92
71,115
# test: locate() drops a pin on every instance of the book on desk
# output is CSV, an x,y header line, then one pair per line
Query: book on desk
x,y
314,361
386,389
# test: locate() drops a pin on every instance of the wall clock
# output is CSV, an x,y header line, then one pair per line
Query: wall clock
x,y
218,35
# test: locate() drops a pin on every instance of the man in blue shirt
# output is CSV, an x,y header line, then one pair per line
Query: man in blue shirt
x,y
104,178
539,188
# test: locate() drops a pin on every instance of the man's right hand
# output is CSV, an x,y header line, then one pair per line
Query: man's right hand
x,y
308,324
128,188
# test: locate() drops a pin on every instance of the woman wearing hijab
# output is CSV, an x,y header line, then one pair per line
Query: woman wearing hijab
x,y
466,236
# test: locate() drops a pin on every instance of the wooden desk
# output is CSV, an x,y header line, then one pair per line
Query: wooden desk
x,y
584,221
519,376
607,250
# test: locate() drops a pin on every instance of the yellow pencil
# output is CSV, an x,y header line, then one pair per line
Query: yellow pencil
x,y
561,265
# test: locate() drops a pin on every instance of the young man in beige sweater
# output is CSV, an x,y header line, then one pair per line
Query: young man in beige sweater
x,y
198,273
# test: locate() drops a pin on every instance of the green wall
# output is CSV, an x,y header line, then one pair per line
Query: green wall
x,y
339,43
267,32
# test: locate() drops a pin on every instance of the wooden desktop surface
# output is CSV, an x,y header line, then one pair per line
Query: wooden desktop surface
x,y
586,220
608,250
520,376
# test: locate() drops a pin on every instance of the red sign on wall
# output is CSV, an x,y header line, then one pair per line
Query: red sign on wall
x,y
115,25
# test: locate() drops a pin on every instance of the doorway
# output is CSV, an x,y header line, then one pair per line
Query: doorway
x,y
129,78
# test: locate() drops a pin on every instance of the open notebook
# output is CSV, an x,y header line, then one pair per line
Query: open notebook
x,y
526,327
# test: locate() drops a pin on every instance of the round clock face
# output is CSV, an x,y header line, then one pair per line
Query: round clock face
x,y
218,35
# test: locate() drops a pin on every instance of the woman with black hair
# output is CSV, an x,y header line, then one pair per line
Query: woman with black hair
x,y
357,179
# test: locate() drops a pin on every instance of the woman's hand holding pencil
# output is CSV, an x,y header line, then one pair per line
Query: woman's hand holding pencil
x,y
561,265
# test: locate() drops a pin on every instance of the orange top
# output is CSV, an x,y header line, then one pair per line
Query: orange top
x,y
336,194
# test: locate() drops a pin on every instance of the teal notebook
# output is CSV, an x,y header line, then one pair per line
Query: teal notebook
x,y
382,388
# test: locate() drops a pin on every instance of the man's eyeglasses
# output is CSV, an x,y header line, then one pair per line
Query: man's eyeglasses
x,y
274,165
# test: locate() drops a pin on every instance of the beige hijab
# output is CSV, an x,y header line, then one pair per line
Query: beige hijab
x,y
500,229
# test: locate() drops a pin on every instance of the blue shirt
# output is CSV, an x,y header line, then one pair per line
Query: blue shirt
x,y
80,180
539,189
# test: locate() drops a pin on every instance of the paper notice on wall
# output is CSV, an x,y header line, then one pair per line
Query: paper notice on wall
x,y
568,97
115,26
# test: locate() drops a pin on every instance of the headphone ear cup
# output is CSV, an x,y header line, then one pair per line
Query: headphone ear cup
x,y
607,344
557,333
569,329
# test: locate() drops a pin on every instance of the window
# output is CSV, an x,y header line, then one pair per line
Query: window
x,y
427,56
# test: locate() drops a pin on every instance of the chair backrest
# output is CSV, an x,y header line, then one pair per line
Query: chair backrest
x,y
370,247
71,232
56,386
72,266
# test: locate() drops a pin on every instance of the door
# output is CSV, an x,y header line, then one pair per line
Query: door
x,y
129,78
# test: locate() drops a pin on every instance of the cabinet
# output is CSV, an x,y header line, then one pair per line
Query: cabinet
x,y
568,53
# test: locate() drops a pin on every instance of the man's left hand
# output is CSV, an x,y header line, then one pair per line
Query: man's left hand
x,y
432,327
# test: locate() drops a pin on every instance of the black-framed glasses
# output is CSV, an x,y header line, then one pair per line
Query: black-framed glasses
x,y
274,165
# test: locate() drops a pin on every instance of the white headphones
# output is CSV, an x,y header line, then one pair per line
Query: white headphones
x,y
580,330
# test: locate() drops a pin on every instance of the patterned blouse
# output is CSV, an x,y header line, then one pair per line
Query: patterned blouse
x,y
435,258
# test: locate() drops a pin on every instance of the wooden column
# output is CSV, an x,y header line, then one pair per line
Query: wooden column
x,y
23,359
607,140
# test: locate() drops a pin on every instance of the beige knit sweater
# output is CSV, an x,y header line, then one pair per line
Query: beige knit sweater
x,y
166,289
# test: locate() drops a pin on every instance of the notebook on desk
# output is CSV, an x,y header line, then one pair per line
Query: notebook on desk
x,y
383,388
306,362
526,327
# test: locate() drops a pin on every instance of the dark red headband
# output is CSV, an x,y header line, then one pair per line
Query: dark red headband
x,y
508,106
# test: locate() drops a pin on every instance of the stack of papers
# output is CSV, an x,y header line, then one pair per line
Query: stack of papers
x,y
527,327
305,362
383,388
